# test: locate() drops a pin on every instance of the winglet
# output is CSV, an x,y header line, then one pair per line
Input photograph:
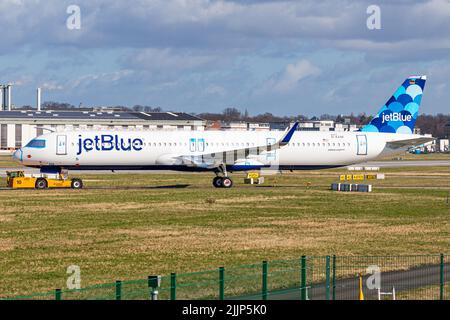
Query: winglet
x,y
287,137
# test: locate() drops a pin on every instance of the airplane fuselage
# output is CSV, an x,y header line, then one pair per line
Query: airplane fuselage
x,y
115,150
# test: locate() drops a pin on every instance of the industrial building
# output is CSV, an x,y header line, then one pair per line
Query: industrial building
x,y
17,128
310,125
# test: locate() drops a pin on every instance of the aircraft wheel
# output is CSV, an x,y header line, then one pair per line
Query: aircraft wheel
x,y
227,182
217,182
77,184
41,183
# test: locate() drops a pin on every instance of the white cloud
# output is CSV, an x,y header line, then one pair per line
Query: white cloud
x,y
215,90
95,80
291,76
167,59
52,86
179,52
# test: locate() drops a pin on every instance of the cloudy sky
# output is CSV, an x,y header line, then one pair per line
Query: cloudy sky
x,y
284,57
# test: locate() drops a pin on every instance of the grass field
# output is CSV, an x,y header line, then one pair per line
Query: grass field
x,y
162,223
7,161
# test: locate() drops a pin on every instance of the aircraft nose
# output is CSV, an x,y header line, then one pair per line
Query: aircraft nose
x,y
17,155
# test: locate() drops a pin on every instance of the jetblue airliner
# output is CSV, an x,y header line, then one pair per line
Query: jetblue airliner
x,y
221,152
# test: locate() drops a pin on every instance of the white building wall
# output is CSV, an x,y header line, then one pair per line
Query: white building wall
x,y
11,136
443,145
29,132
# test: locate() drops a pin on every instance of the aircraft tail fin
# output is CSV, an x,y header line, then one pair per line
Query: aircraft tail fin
x,y
400,112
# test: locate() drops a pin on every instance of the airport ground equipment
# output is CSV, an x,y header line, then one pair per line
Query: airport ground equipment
x,y
21,180
363,168
361,177
254,178
349,187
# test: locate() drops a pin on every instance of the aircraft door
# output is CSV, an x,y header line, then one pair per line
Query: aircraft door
x,y
362,145
61,145
201,145
192,145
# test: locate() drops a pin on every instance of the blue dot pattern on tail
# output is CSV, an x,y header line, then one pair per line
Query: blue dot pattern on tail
x,y
400,113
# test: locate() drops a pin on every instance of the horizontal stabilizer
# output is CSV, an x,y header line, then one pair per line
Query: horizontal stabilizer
x,y
408,142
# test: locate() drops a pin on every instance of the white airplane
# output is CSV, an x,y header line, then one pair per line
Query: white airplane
x,y
221,152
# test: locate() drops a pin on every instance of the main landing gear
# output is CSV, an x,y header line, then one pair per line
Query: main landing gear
x,y
222,182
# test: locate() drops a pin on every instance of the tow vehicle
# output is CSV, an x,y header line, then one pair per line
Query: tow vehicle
x,y
21,180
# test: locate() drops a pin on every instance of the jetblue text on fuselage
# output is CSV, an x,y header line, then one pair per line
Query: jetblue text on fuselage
x,y
106,142
396,116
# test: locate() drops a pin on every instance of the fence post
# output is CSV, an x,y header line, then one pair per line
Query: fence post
x,y
334,277
327,278
441,282
221,283
303,278
173,286
264,280
118,290
58,294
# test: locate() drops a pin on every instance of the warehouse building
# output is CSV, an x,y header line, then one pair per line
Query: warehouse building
x,y
18,127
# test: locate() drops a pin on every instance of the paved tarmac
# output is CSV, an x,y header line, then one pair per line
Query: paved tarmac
x,y
404,163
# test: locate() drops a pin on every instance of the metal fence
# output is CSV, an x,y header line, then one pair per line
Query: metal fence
x,y
306,278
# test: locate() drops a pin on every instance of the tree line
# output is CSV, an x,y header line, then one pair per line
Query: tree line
x,y
438,125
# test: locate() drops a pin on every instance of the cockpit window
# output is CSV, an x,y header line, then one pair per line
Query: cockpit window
x,y
36,144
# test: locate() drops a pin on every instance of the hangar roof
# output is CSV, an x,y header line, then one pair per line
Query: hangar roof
x,y
100,115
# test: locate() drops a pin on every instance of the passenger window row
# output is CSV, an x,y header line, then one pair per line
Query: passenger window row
x,y
318,144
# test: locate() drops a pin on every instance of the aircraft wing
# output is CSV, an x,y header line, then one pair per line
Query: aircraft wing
x,y
214,160
408,142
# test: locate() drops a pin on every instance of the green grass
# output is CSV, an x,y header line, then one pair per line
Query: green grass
x,y
7,161
141,228
426,293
